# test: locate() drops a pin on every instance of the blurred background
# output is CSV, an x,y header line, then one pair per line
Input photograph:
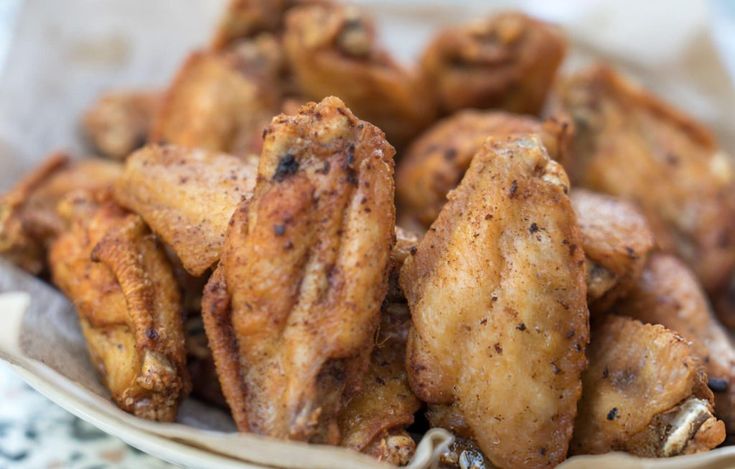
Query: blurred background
x,y
57,56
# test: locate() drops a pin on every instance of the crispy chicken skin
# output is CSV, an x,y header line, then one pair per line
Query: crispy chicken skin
x,y
187,197
629,144
374,420
222,101
128,303
28,218
436,161
616,241
496,290
507,61
291,310
669,294
332,50
119,122
645,393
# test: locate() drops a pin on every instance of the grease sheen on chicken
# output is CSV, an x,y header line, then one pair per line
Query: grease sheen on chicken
x,y
128,304
497,296
291,311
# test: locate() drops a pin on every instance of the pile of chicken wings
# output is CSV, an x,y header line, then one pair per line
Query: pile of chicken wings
x,y
342,250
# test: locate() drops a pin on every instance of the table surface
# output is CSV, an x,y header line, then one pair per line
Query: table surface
x,y
35,433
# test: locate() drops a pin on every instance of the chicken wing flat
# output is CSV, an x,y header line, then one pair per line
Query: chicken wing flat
x,y
28,218
616,241
374,420
669,294
187,197
436,161
128,303
291,311
507,61
222,101
332,50
119,122
496,290
645,392
631,145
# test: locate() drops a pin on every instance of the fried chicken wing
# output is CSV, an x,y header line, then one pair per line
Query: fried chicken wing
x,y
668,294
222,101
616,241
645,392
331,50
507,61
128,303
497,296
187,197
436,161
631,145
119,122
28,218
291,310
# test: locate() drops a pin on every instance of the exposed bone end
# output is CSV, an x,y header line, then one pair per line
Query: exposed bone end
x,y
686,429
394,447
159,390
693,429
464,453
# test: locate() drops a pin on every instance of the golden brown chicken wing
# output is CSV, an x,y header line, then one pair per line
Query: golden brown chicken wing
x,y
645,393
291,310
28,218
436,161
187,197
497,296
331,50
633,146
616,241
119,122
222,101
668,294
128,303
507,61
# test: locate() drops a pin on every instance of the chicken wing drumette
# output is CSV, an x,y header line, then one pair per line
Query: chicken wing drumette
x,y
645,393
119,122
629,144
436,161
331,50
616,241
187,197
374,420
669,294
497,296
128,304
222,101
28,218
291,310
506,62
